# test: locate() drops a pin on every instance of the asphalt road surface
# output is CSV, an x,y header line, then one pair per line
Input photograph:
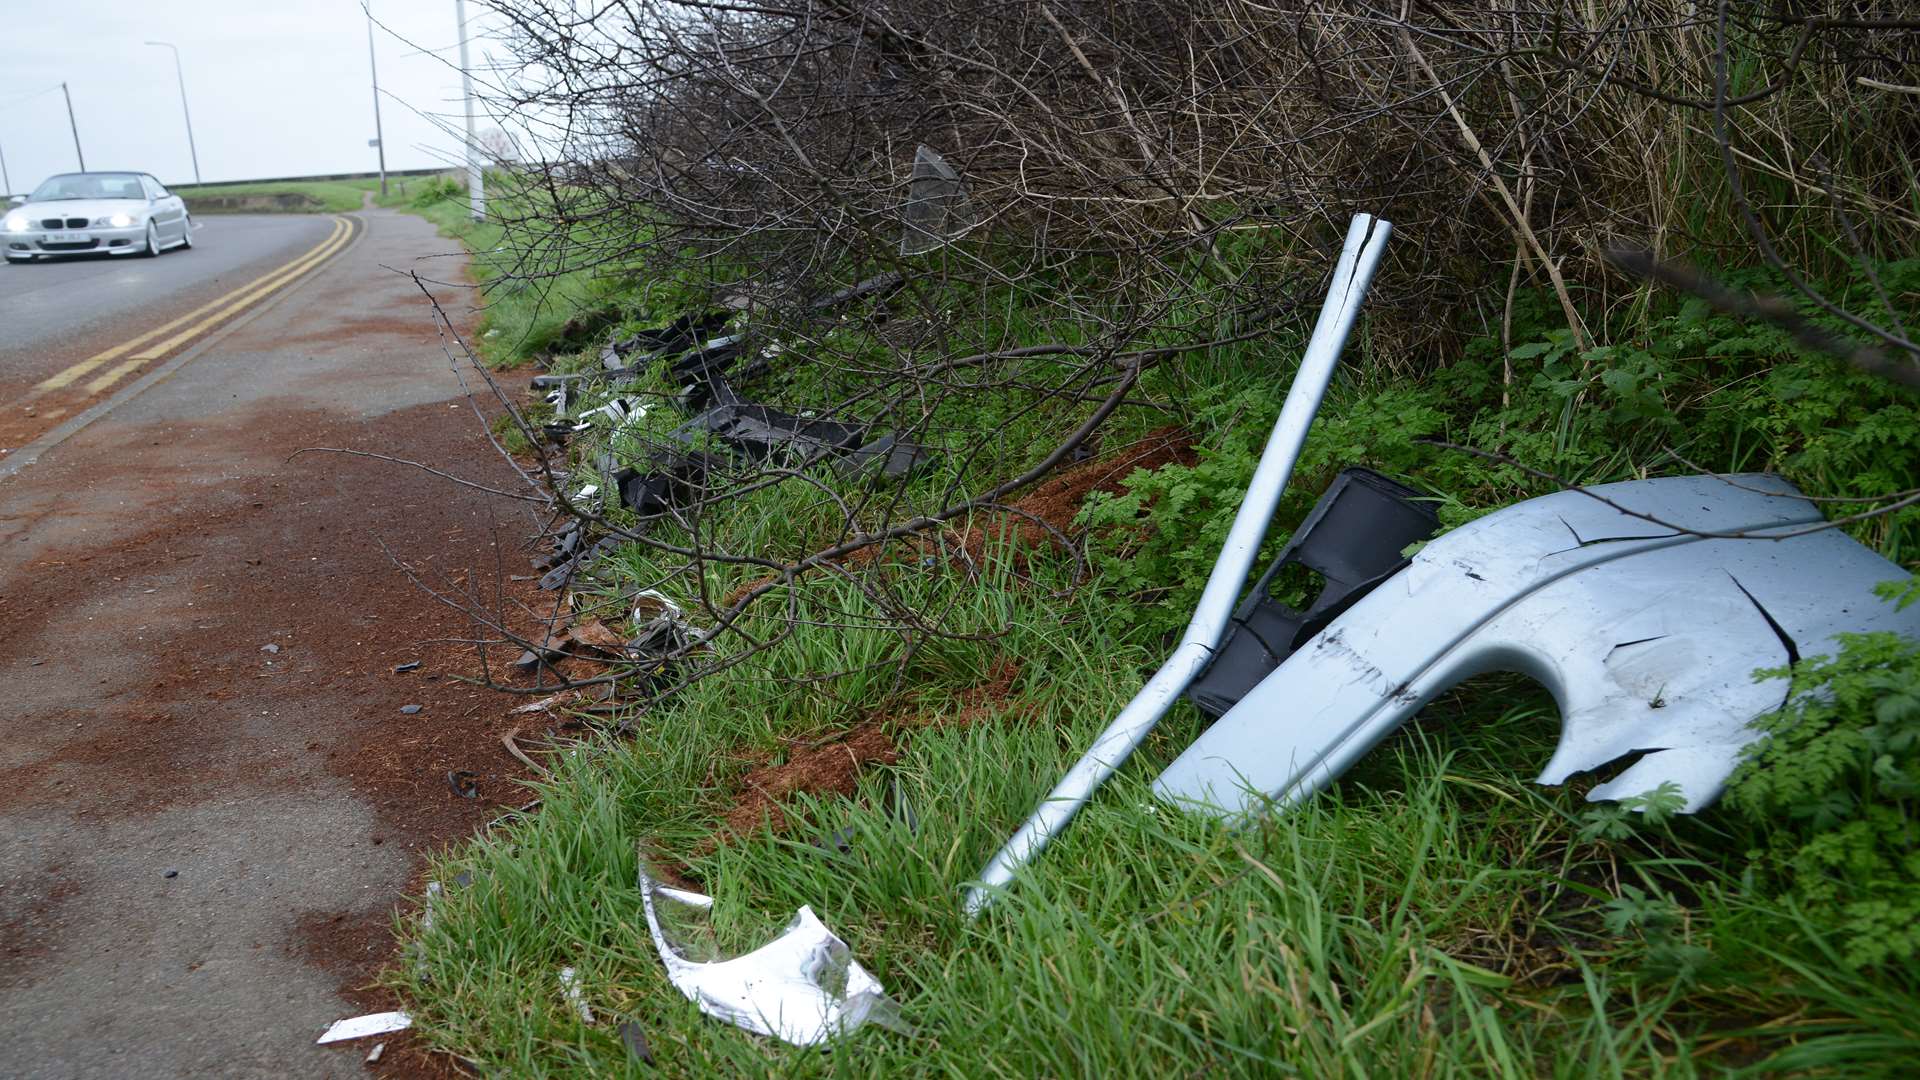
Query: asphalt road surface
x,y
51,308
210,800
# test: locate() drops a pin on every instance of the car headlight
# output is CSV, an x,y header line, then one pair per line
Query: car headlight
x,y
118,221
16,223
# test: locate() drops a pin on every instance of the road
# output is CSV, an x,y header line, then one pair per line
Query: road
x,y
210,797
49,309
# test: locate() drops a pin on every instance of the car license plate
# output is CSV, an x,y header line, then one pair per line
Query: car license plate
x,y
66,238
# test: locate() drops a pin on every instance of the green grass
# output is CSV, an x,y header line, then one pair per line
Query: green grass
x,y
333,196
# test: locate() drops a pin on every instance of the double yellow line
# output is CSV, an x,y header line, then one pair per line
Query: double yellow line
x,y
195,322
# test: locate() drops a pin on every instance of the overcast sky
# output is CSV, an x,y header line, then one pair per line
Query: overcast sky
x,y
277,87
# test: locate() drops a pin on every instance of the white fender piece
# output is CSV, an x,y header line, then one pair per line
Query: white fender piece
x,y
803,987
1647,636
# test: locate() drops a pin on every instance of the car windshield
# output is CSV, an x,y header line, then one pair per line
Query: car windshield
x,y
91,185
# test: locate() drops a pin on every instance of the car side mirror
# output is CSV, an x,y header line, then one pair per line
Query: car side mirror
x,y
17,200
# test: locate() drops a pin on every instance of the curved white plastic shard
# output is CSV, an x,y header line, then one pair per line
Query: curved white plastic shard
x,y
361,1027
803,987
1647,637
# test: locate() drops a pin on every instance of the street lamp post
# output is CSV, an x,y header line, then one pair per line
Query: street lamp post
x,y
476,182
75,126
379,137
177,74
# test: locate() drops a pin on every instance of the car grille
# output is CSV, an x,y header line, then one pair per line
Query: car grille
x,y
83,245
68,223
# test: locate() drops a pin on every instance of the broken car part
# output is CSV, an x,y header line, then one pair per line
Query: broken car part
x,y
1352,541
804,987
876,286
1646,633
885,458
1366,241
935,213
361,1027
764,433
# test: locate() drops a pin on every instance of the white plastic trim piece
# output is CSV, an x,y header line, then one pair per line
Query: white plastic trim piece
x,y
360,1027
1366,242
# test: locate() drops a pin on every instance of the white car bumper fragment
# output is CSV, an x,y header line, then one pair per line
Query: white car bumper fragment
x,y
1647,637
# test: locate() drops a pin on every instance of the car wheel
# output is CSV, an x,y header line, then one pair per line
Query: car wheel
x,y
186,233
153,240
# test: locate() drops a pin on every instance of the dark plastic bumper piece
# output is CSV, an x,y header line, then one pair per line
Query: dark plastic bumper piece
x,y
1353,539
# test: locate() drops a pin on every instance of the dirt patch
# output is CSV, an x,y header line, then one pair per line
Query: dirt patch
x,y
833,767
1044,516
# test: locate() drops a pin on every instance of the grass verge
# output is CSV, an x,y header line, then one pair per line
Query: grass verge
x,y
320,196
1434,914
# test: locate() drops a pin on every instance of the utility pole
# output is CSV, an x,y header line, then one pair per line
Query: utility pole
x,y
75,126
476,184
379,137
6,182
192,150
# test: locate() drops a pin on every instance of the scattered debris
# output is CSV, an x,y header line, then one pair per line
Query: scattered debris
x,y
1647,634
879,285
661,629
373,1055
402,669
549,652
804,987
886,457
410,709
547,704
171,873
462,783
935,213
269,648
635,1037
361,1027
576,997
593,634
513,747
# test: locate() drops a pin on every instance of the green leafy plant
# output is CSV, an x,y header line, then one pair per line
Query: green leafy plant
x,y
1835,789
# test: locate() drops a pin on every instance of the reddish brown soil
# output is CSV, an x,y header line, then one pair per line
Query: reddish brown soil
x,y
833,767
1045,515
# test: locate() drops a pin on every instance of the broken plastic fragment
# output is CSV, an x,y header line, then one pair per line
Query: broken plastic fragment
x,y
803,987
360,1027
935,213
576,997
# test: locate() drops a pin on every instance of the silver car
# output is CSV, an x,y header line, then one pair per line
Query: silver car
x,y
118,213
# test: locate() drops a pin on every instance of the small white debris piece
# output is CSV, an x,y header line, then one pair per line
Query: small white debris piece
x,y
804,987
373,1055
435,891
570,986
360,1027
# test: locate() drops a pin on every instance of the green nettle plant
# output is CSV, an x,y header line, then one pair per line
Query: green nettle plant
x,y
1834,790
